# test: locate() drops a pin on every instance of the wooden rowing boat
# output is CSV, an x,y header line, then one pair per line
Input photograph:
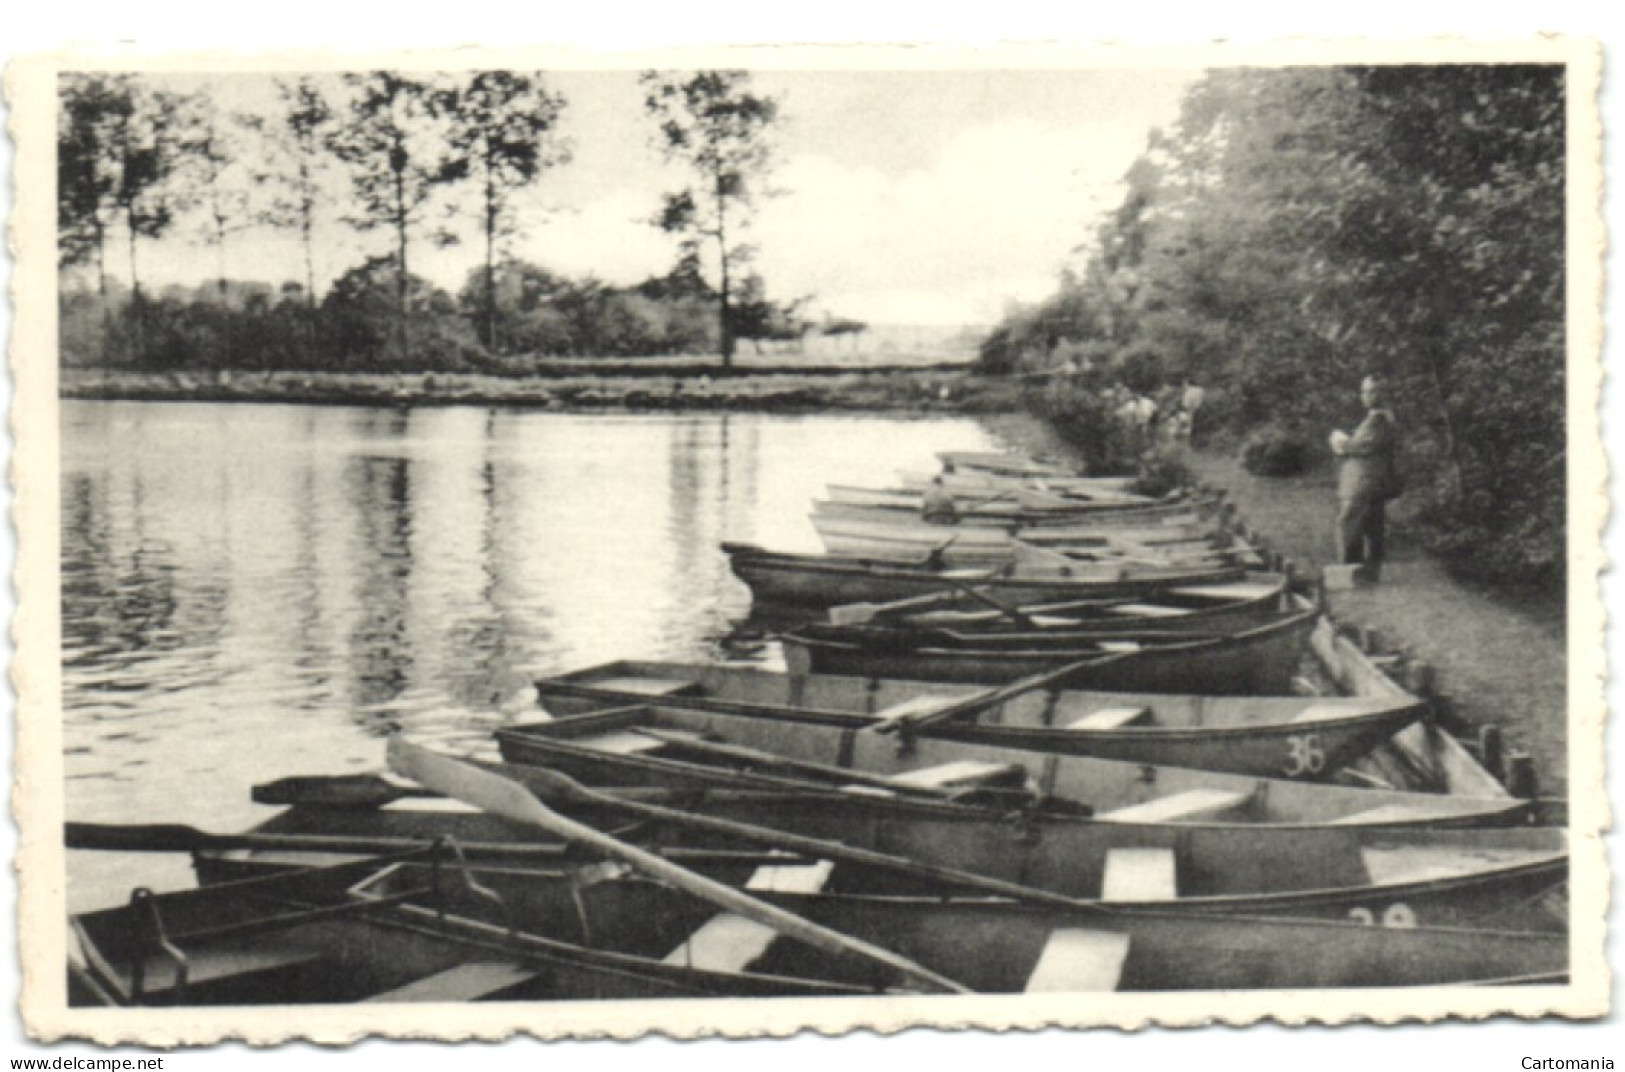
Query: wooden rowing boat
x,y
806,580
854,531
1106,489
1016,506
1303,738
995,946
301,937
1008,463
1509,878
1260,660
664,745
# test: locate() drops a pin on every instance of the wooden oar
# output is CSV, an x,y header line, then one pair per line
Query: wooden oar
x,y
178,837
500,796
561,787
1013,613
994,697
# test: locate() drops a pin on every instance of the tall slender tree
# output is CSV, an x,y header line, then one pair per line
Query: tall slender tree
x,y
712,122
504,124
216,180
92,108
394,141
294,165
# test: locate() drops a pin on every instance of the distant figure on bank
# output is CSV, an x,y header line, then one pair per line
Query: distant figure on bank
x,y
1367,478
937,506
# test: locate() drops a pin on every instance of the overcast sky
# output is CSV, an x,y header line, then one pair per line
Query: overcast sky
x,y
907,197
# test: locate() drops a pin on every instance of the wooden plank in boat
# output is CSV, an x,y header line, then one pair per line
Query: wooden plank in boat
x,y
913,708
1393,813
1140,874
630,742
1112,718
1191,804
464,982
1235,591
959,772
1075,959
731,943
1148,610
1410,863
208,965
1320,713
792,878
1119,645
647,686
430,805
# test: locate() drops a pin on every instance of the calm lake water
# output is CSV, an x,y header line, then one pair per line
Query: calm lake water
x,y
252,591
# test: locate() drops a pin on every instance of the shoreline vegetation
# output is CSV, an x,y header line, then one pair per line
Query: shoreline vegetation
x,y
568,386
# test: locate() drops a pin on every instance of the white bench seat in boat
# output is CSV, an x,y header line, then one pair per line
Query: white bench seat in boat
x,y
960,772
912,708
627,742
1393,813
646,686
1140,874
464,982
1191,804
1321,713
730,943
1119,645
1112,718
1075,959
1236,592
1148,610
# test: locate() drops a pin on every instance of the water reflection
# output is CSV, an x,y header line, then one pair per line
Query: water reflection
x,y
255,591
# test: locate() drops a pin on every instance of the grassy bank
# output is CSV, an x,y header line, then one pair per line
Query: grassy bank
x,y
1499,658
679,387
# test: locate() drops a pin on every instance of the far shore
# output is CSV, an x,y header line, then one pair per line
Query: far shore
x,y
938,388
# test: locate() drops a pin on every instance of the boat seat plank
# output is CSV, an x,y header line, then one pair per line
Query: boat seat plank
x,y
1393,813
1409,863
1112,718
1140,874
648,686
792,878
913,708
724,943
1237,592
430,805
478,981
960,772
630,742
224,963
731,943
1075,959
1191,804
1320,713
1119,645
1149,610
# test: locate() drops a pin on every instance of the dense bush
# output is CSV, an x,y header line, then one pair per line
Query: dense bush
x,y
1296,229
1088,421
1277,451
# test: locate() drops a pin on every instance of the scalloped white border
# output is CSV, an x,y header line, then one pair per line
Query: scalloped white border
x,y
37,798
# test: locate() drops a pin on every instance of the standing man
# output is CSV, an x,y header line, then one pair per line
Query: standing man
x,y
1367,478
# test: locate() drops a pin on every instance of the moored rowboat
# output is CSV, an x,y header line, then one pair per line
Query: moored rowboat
x,y
807,580
1308,738
1506,877
666,746
1256,660
995,946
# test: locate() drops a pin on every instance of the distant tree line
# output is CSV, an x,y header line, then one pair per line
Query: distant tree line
x,y
1298,229
138,162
